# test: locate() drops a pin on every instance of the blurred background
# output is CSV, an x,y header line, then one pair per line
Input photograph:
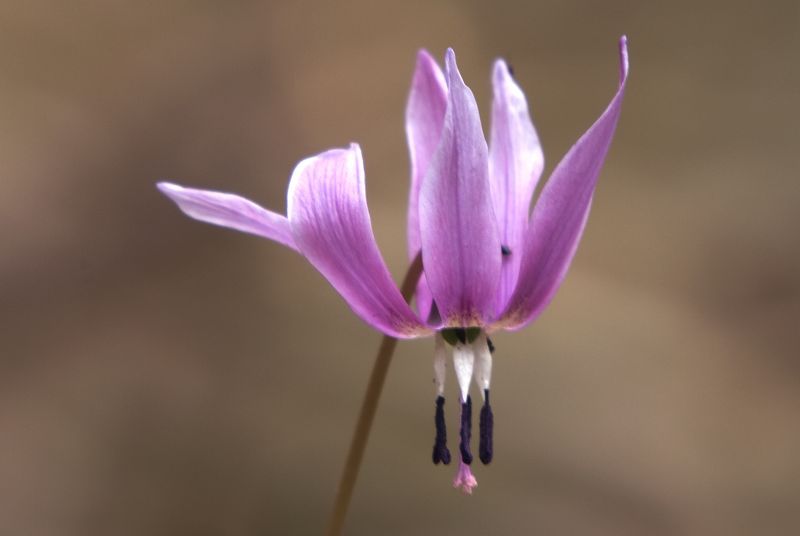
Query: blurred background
x,y
161,376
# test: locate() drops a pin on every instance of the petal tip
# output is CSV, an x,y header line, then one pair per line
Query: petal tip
x,y
426,66
450,60
354,147
452,74
165,186
424,57
170,189
426,71
332,154
623,58
502,74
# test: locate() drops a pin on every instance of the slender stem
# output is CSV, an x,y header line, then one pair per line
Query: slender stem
x,y
368,408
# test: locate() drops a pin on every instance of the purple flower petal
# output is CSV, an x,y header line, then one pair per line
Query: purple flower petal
x,y
327,209
425,110
515,165
460,242
228,210
561,212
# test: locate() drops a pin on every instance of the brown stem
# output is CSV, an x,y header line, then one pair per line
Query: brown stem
x,y
368,408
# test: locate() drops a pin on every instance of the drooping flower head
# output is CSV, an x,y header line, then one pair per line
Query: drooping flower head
x,y
488,265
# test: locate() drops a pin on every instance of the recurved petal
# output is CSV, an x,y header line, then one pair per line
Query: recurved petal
x,y
560,214
228,210
515,165
327,209
425,110
458,229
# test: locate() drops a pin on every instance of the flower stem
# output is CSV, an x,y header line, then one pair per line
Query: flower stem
x,y
368,408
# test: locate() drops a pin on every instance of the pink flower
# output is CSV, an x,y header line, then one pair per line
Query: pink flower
x,y
487,264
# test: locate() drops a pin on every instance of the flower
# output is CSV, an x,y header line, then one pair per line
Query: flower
x,y
487,264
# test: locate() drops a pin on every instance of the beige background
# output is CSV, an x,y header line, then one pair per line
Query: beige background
x,y
159,376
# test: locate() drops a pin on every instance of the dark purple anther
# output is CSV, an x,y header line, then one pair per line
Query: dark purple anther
x,y
485,450
440,451
505,251
466,430
490,344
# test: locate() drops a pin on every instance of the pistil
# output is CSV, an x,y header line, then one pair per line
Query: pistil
x,y
464,480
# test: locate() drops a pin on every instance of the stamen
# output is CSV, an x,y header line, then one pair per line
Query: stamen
x,y
463,363
483,377
485,444
505,250
482,362
490,344
466,431
441,454
439,363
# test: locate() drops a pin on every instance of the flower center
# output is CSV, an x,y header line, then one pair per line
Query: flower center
x,y
453,336
471,352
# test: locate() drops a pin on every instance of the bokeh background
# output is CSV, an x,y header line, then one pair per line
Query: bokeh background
x,y
164,377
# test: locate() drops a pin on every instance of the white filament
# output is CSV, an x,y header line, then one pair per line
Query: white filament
x,y
463,362
483,363
439,363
